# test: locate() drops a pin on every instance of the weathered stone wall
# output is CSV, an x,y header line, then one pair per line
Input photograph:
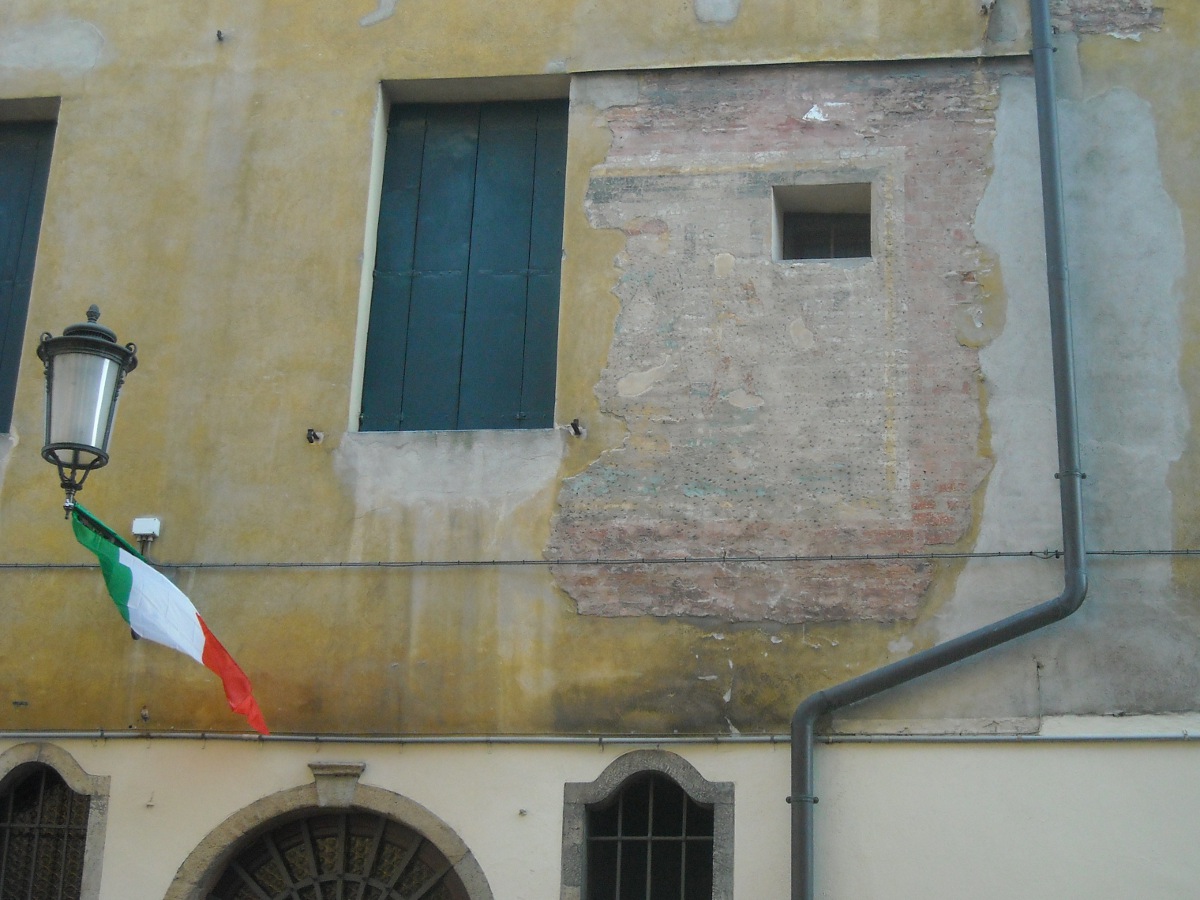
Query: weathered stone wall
x,y
785,408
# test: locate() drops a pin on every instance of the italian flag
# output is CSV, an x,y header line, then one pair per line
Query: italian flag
x,y
157,610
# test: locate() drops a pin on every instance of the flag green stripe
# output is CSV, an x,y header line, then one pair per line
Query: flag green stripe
x,y
117,576
104,531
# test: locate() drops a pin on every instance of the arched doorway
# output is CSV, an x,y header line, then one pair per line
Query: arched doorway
x,y
298,844
327,854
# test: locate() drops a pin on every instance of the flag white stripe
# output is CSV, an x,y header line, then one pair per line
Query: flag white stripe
x,y
160,612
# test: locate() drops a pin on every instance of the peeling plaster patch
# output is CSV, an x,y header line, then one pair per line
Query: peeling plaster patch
x,y
1115,18
1021,510
815,115
451,468
1124,241
637,383
606,91
723,265
387,8
743,400
900,646
415,491
1006,21
717,12
67,45
758,437
801,335
8,443
653,225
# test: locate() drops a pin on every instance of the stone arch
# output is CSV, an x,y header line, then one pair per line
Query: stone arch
x,y
16,761
577,796
207,862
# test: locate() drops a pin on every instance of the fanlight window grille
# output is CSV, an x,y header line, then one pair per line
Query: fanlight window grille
x,y
340,856
43,830
650,841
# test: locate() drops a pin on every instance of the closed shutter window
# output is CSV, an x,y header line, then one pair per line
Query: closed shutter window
x,y
463,331
24,166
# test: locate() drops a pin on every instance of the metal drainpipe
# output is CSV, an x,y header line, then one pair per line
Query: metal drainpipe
x,y
1069,476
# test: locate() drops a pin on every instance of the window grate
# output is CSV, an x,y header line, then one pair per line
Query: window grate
x,y
339,856
822,221
651,841
43,830
826,235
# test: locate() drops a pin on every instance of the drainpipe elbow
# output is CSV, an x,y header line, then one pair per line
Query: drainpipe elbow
x,y
1074,591
805,717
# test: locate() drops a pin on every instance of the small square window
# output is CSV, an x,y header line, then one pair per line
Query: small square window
x,y
822,221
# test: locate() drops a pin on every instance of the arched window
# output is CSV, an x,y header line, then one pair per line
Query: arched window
x,y
649,841
43,834
649,828
350,853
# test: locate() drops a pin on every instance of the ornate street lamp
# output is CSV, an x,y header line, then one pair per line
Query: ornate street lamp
x,y
85,369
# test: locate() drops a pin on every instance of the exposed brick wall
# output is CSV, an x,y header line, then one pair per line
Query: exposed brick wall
x,y
778,408
1124,18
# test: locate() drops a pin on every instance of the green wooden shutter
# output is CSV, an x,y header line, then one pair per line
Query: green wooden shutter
x,y
414,344
464,312
24,168
383,374
509,361
545,264
495,335
440,262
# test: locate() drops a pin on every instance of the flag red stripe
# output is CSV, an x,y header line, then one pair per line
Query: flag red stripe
x,y
237,685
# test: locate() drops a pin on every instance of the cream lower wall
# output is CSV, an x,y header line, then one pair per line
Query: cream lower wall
x,y
1058,820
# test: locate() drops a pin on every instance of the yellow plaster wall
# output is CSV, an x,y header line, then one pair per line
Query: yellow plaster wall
x,y
209,195
429,39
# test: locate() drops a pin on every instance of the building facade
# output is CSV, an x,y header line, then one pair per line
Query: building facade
x,y
541,401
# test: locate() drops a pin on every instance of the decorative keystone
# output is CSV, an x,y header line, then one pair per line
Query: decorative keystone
x,y
336,782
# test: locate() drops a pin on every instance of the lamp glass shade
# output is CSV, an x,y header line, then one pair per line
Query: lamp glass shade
x,y
83,390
